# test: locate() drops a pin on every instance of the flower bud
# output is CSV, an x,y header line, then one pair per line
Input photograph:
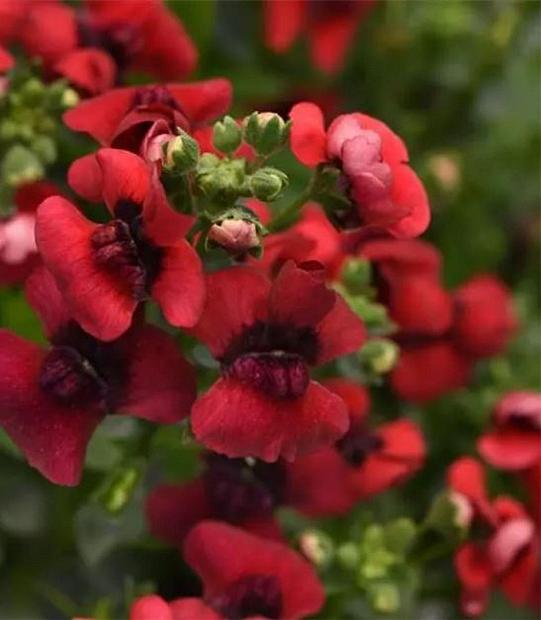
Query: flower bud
x,y
317,547
20,165
267,183
384,597
266,132
222,180
450,514
379,355
226,135
235,236
356,275
181,154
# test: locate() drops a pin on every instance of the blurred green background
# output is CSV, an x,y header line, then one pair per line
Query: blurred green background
x,y
459,81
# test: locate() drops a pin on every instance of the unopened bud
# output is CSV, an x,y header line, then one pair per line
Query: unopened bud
x,y
236,236
266,132
379,355
224,181
267,183
226,135
69,98
317,547
356,275
20,165
384,597
181,154
450,514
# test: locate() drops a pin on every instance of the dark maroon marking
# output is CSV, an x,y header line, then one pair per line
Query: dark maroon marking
x,y
238,490
154,95
69,377
358,444
280,375
253,595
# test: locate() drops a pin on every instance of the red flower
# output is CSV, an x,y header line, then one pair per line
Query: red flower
x,y
152,607
330,26
311,238
105,270
231,490
122,117
515,441
95,45
18,251
363,463
441,335
52,399
266,334
484,317
507,558
384,192
245,576
6,60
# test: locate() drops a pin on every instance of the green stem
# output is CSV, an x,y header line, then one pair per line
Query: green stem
x,y
287,213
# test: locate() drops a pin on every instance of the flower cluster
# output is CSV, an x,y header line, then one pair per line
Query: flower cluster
x,y
179,277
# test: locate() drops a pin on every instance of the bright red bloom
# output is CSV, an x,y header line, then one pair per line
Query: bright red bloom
x,y
230,490
123,116
266,334
441,334
153,607
245,576
365,462
52,399
96,44
386,196
329,24
508,558
105,270
6,60
311,238
515,441
18,251
484,316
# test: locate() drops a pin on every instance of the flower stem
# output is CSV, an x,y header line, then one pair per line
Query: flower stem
x,y
288,212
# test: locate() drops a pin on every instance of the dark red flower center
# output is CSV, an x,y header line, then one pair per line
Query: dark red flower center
x,y
79,369
238,489
154,95
121,247
523,421
323,10
121,41
273,358
357,444
253,595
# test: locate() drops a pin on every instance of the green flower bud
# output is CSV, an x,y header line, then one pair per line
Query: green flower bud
x,y
224,182
379,355
181,154
226,135
384,597
317,547
348,555
450,514
45,148
267,183
20,165
118,490
356,275
69,98
266,132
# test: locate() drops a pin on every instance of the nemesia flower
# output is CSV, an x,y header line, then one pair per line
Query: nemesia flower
x,y
18,251
52,399
123,116
386,195
232,490
105,270
245,576
94,45
507,558
265,335
363,463
514,442
329,24
311,238
441,334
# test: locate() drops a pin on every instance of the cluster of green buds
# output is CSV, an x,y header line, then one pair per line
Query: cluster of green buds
x,y
380,564
29,119
380,354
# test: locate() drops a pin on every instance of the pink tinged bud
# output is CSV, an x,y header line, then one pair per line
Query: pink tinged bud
x,y
155,148
279,375
235,236
4,86
520,409
508,541
463,509
17,239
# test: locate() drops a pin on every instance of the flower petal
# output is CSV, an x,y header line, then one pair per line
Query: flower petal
x,y
340,332
203,101
91,70
52,437
236,420
308,139
512,449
